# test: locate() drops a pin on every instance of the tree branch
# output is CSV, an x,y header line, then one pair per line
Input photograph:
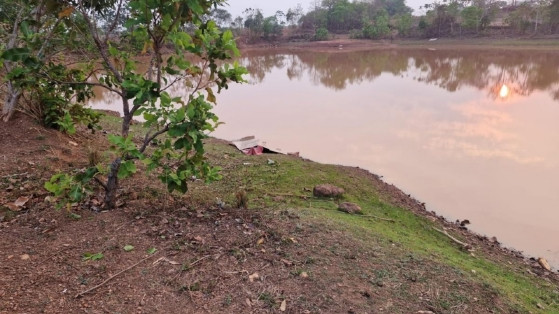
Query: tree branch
x,y
148,138
93,84
113,25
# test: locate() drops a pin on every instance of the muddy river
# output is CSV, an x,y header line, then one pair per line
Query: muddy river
x,y
472,133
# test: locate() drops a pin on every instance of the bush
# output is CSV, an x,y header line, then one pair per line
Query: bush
x,y
355,34
321,34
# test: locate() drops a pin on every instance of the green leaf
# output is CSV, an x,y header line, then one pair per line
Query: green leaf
x,y
128,248
113,51
75,216
76,193
211,96
16,54
92,257
126,169
152,250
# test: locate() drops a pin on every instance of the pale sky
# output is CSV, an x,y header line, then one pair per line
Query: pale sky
x,y
236,7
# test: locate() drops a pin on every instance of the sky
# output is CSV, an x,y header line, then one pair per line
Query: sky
x,y
269,7
236,7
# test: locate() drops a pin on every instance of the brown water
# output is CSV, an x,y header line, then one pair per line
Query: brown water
x,y
438,124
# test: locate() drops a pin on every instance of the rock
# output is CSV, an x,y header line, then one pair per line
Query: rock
x,y
327,190
349,208
253,277
283,306
543,262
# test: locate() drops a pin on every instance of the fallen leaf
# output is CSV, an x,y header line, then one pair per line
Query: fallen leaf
x,y
13,207
260,241
248,302
286,262
164,259
253,277
128,248
65,13
283,306
21,201
304,275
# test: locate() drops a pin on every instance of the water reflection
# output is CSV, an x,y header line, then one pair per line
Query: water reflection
x,y
521,72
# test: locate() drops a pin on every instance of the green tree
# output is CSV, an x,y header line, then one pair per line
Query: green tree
x,y
321,34
221,17
554,15
271,27
254,22
182,122
404,24
34,36
471,17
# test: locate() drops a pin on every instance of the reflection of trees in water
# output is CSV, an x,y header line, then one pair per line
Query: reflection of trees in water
x,y
259,65
524,71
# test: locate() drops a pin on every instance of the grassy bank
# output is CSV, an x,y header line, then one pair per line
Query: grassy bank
x,y
411,234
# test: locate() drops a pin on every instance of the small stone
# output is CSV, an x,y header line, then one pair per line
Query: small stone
x,y
349,208
283,306
304,275
327,190
24,257
253,277
543,262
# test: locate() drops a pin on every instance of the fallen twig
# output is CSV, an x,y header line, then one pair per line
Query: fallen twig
x,y
112,277
463,244
237,272
379,218
15,175
185,268
199,260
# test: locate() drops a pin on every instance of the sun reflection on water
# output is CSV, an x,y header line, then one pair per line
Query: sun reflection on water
x,y
504,92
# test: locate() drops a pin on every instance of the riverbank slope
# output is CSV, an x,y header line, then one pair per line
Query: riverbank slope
x,y
289,250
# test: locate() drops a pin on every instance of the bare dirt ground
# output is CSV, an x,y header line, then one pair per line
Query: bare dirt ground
x,y
192,256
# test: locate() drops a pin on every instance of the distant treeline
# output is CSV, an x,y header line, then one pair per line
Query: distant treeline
x,y
388,19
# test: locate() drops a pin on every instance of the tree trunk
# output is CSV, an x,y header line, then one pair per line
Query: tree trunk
x,y
11,102
112,185
13,93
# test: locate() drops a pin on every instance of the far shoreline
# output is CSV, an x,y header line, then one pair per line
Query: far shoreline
x,y
344,44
